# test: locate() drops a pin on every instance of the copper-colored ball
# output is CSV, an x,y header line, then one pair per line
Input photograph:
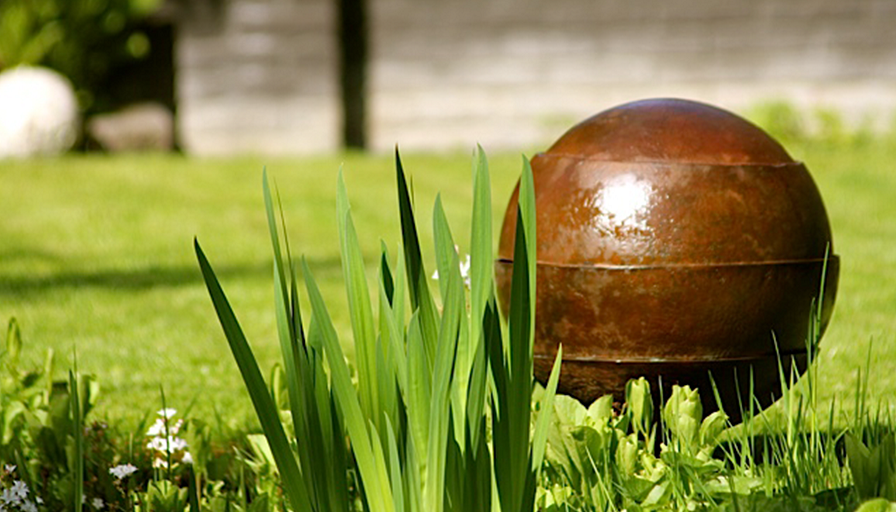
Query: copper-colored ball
x,y
674,239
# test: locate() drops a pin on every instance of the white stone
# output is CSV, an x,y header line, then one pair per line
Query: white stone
x,y
38,113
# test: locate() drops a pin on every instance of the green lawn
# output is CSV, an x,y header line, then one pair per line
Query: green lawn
x,y
96,256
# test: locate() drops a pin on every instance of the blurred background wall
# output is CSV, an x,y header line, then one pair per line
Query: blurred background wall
x,y
299,76
265,75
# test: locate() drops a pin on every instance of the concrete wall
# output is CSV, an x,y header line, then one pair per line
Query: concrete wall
x,y
257,76
515,74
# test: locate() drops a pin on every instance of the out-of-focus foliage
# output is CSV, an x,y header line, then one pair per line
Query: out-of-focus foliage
x,y
82,39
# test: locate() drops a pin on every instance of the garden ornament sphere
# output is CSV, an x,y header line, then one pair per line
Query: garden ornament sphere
x,y
674,240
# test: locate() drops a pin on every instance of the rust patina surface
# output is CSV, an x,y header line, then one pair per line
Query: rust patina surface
x,y
674,239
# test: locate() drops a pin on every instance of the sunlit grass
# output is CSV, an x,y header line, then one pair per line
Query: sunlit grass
x,y
96,253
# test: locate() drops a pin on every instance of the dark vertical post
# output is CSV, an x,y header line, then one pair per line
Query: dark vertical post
x,y
353,71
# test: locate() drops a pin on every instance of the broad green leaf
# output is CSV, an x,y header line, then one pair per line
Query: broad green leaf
x,y
264,407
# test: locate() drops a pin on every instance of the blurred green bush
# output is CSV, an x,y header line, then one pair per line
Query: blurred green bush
x,y
82,39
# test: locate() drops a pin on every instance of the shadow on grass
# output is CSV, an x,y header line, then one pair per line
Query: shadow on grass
x,y
148,277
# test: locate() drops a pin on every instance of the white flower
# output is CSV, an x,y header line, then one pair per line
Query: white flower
x,y
167,413
7,497
161,444
97,503
187,458
9,468
19,490
122,470
28,506
464,271
157,428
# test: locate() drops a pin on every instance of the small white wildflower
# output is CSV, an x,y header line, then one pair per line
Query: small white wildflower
x,y
122,470
172,444
187,458
158,444
167,413
39,500
177,444
465,271
19,490
9,468
8,498
28,506
157,428
159,463
97,503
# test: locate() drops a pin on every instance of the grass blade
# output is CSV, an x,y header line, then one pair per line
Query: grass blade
x,y
360,310
78,435
481,251
546,407
417,278
264,406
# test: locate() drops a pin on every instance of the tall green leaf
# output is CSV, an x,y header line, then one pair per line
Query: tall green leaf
x,y
289,329
360,310
370,466
440,412
513,376
392,336
481,249
267,413
448,260
421,299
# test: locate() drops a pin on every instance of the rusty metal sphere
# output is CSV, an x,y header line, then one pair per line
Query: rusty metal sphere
x,y
674,239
